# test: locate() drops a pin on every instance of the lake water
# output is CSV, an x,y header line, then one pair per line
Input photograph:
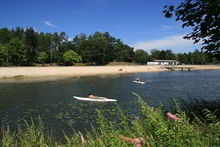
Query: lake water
x,y
53,102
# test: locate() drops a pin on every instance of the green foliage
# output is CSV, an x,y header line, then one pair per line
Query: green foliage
x,y
195,57
17,53
44,42
162,55
95,49
42,57
9,139
123,53
71,57
19,33
5,36
198,57
31,44
98,46
203,16
3,54
101,48
32,135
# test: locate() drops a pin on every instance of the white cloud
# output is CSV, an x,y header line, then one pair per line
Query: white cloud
x,y
171,42
48,23
70,39
36,30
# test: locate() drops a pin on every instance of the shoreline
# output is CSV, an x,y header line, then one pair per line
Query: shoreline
x,y
25,74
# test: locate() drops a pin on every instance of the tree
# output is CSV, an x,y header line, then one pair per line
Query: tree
x,y
25,46
155,54
3,54
111,50
5,36
17,54
204,17
19,33
42,57
140,56
44,40
170,55
163,55
98,46
79,45
31,44
123,52
183,58
71,57
198,57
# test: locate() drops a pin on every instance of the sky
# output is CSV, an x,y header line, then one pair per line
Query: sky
x,y
138,23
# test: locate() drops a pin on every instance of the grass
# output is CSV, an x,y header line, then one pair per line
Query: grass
x,y
150,124
196,106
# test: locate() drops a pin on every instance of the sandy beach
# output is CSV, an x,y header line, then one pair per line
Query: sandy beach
x,y
54,73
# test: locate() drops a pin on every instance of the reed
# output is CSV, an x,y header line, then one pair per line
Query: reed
x,y
194,107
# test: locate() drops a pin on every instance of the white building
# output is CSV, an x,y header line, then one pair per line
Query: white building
x,y
163,62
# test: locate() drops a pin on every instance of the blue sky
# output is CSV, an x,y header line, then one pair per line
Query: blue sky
x,y
138,23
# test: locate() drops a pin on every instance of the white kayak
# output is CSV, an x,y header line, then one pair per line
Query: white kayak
x,y
139,82
98,99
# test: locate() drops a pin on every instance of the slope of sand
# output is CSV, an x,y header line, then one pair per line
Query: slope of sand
x,y
52,73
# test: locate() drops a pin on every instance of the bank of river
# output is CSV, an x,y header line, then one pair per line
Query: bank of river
x,y
29,74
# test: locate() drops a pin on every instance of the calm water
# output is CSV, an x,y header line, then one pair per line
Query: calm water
x,y
53,102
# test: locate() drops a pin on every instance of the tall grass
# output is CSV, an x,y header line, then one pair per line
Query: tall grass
x,y
195,107
150,124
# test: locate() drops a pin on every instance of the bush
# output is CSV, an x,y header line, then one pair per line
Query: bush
x,y
71,57
42,57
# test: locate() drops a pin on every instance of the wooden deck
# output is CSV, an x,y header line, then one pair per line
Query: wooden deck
x,y
177,67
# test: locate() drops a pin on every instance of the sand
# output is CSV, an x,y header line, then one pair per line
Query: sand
x,y
54,73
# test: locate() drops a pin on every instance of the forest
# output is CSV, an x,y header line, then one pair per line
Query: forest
x,y
26,47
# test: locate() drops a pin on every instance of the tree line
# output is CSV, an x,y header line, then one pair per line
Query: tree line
x,y
25,46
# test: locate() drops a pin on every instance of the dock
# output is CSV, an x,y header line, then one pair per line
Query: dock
x,y
178,67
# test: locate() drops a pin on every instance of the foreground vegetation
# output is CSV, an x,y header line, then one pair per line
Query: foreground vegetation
x,y
151,125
